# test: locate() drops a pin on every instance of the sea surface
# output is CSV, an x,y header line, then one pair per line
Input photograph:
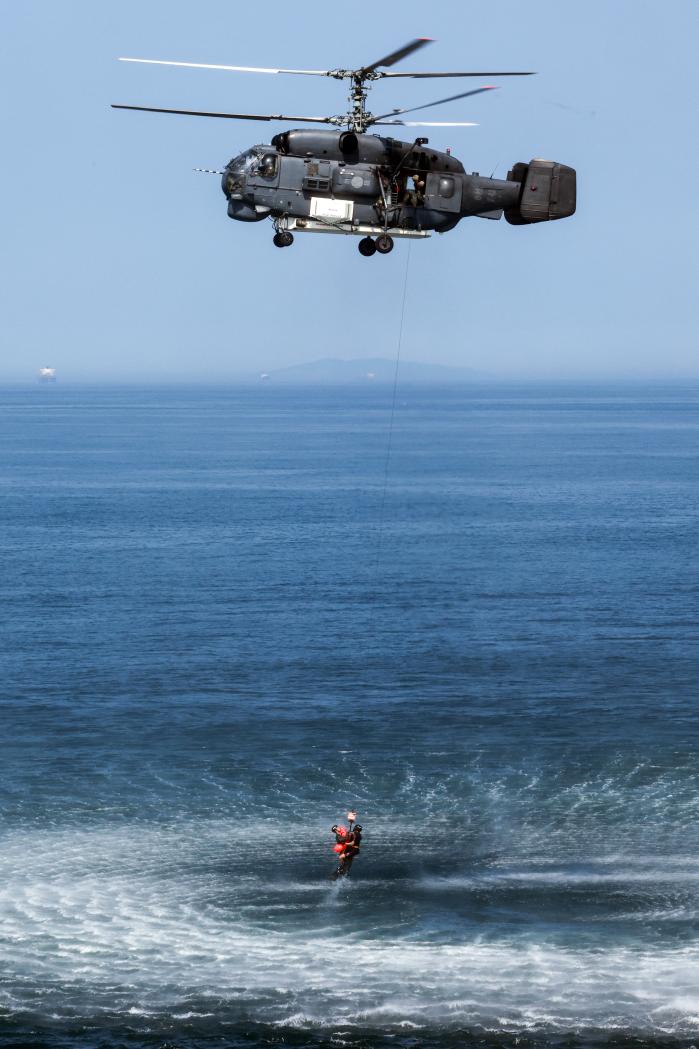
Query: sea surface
x,y
229,614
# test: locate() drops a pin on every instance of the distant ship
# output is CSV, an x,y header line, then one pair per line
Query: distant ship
x,y
47,375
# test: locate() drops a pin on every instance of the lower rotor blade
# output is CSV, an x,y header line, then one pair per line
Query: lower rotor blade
x,y
426,123
426,75
397,56
439,102
226,116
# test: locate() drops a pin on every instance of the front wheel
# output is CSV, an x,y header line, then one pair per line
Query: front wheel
x,y
384,243
367,247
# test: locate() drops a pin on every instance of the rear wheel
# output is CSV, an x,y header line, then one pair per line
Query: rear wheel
x,y
384,243
367,247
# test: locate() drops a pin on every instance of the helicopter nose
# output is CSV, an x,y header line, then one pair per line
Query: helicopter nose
x,y
233,183
229,182
233,180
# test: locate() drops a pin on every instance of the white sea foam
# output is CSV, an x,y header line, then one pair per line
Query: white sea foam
x,y
117,918
536,878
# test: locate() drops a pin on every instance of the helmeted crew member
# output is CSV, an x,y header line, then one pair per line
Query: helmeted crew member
x,y
353,842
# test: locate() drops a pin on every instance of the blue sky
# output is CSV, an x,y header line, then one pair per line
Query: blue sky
x,y
120,263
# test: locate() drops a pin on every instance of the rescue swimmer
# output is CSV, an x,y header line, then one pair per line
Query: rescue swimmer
x,y
347,845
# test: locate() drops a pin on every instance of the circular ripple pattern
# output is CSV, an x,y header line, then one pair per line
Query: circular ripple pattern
x,y
205,664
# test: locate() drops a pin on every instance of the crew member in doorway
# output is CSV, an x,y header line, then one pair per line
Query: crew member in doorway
x,y
415,197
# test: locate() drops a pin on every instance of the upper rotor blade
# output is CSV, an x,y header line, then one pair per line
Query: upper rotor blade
x,y
235,69
226,116
397,56
425,75
439,102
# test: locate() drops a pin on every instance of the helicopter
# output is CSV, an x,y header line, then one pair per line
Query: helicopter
x,y
347,181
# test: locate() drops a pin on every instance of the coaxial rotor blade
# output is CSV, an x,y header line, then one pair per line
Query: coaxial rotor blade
x,y
425,123
229,116
235,69
428,105
397,56
425,75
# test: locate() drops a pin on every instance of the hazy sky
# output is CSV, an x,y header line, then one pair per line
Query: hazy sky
x,y
119,262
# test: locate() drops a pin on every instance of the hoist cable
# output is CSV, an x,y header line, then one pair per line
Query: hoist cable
x,y
389,442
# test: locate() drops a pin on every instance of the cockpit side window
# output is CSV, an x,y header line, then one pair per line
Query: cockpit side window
x,y
267,165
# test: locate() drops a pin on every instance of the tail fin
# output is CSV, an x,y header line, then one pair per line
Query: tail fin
x,y
548,191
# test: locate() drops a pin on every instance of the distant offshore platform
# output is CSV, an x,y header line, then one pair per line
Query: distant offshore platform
x,y
47,375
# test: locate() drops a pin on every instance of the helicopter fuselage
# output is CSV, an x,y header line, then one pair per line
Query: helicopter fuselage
x,y
344,182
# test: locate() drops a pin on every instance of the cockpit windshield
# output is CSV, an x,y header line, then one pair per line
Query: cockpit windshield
x,y
233,181
258,162
242,161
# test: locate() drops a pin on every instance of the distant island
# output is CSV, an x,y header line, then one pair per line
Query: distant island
x,y
365,370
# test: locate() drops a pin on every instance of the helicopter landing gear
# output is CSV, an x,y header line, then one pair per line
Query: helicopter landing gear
x,y
382,244
283,239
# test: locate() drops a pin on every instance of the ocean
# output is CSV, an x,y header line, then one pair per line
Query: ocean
x,y
229,615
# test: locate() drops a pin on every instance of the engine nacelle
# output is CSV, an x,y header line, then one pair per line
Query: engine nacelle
x,y
547,192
